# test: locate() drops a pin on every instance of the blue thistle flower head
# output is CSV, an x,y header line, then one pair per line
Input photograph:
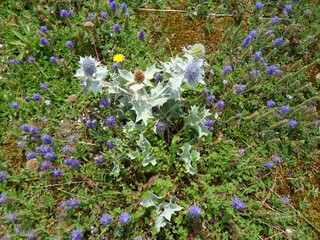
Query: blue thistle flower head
x,y
34,131
192,72
104,103
140,238
46,139
13,62
36,97
240,89
11,217
227,70
141,35
44,29
111,121
57,173
15,105
116,28
3,198
273,70
30,235
66,13
270,104
269,165
115,66
125,218
161,126
210,99
99,159
31,155
18,230
3,176
206,92
286,199
258,6
31,59
246,41
237,204
284,109
54,60
91,17
113,6
44,42
208,123
274,20
110,144
50,155
257,55
66,150
69,44
123,8
292,124
104,16
269,32
89,66
278,42
220,105
106,219
74,202
253,33
76,234
159,78
287,10
277,159
25,128
45,165
194,211
43,86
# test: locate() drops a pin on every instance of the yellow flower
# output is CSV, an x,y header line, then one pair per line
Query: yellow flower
x,y
118,58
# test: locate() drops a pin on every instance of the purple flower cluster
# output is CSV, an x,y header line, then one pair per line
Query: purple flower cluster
x,y
31,155
99,159
161,126
258,6
227,70
116,28
284,109
278,42
3,176
292,124
210,99
125,218
194,211
44,42
270,104
237,204
69,45
220,105
104,16
66,13
3,198
273,70
287,10
91,17
240,89
104,103
141,35
57,173
159,78
46,139
71,162
70,204
111,121
110,144
269,165
208,123
106,219
76,234
286,199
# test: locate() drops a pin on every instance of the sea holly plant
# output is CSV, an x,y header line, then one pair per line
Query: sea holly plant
x,y
144,145
164,210
91,75
188,156
195,120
